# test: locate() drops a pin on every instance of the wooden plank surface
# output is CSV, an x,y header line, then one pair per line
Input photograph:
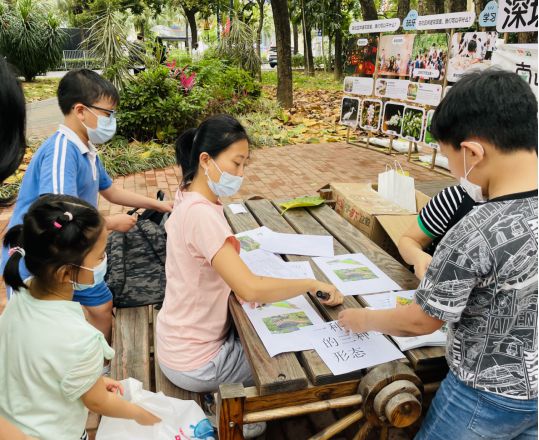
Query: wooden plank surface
x,y
131,341
271,374
161,381
433,187
355,241
266,213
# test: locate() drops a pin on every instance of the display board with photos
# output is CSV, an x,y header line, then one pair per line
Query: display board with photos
x,y
394,81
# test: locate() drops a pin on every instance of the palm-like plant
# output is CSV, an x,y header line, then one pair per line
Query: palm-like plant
x,y
238,45
107,40
30,38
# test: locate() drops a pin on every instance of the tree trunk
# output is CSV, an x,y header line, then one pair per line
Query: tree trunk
x,y
457,6
527,37
309,50
281,21
337,72
296,37
368,10
191,18
260,26
330,40
403,8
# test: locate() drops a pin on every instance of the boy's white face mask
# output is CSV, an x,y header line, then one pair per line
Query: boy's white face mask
x,y
473,190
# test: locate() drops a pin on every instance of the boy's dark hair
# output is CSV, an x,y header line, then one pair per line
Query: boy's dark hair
x,y
12,123
51,239
86,87
495,105
213,136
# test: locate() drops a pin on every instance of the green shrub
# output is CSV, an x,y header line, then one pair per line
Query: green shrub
x,y
180,57
154,105
298,61
30,37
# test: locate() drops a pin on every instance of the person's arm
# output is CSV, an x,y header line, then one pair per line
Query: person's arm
x,y
100,400
408,320
411,246
254,288
120,196
10,432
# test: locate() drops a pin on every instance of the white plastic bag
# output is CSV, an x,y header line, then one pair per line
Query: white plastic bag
x,y
394,185
180,419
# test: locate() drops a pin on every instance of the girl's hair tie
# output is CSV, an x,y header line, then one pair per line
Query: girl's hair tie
x,y
68,215
57,225
17,249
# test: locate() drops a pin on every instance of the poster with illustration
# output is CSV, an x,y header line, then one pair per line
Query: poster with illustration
x,y
394,55
427,137
349,111
278,324
412,123
361,55
371,114
429,58
392,118
470,50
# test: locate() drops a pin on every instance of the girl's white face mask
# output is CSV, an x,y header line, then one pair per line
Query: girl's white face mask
x,y
473,190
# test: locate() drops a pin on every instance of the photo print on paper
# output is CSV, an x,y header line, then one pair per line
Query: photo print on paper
x,y
429,58
392,119
287,323
394,55
361,55
412,123
349,111
371,114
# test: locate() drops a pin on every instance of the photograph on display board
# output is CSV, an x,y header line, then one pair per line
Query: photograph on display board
x,y
361,55
392,119
470,50
429,58
412,123
371,114
394,55
427,138
349,111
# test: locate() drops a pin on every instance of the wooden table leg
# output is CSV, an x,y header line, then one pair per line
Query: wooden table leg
x,y
230,408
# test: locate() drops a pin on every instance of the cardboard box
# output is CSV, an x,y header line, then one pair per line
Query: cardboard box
x,y
380,220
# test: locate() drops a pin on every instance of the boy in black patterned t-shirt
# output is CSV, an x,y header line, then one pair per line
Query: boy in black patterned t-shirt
x,y
482,279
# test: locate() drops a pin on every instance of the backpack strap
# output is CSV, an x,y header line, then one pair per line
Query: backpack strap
x,y
145,236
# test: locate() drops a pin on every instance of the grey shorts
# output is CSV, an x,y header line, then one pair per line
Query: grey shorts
x,y
229,366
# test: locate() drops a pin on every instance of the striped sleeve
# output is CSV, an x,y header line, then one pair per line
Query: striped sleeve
x,y
436,215
59,168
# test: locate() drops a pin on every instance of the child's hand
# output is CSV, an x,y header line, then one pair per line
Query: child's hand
x,y
121,222
113,386
354,320
422,264
164,205
335,297
146,418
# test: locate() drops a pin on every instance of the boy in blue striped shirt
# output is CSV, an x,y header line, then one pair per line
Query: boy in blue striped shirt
x,y
68,163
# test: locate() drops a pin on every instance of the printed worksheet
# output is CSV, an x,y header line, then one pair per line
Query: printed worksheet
x,y
266,264
298,244
355,274
278,324
344,351
250,240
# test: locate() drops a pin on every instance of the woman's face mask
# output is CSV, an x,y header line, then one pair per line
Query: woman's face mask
x,y
228,184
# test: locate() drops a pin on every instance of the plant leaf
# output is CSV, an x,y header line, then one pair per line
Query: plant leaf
x,y
301,202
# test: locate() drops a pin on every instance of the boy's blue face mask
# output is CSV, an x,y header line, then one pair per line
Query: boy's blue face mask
x,y
99,275
105,130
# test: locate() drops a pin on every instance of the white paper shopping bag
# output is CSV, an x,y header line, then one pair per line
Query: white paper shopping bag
x,y
180,419
395,186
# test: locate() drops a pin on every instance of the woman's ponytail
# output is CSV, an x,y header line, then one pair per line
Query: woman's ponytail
x,y
185,156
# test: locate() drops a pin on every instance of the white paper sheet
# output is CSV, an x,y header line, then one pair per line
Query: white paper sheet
x,y
265,263
390,300
278,324
298,244
251,240
344,352
355,274
237,208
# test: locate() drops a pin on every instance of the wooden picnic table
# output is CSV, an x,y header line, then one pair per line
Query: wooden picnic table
x,y
300,383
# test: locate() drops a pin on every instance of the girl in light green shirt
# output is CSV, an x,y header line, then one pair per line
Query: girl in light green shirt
x,y
51,359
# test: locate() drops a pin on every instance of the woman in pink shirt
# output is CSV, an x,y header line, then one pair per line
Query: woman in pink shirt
x,y
196,346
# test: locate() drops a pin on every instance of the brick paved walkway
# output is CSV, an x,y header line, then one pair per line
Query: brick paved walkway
x,y
278,172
